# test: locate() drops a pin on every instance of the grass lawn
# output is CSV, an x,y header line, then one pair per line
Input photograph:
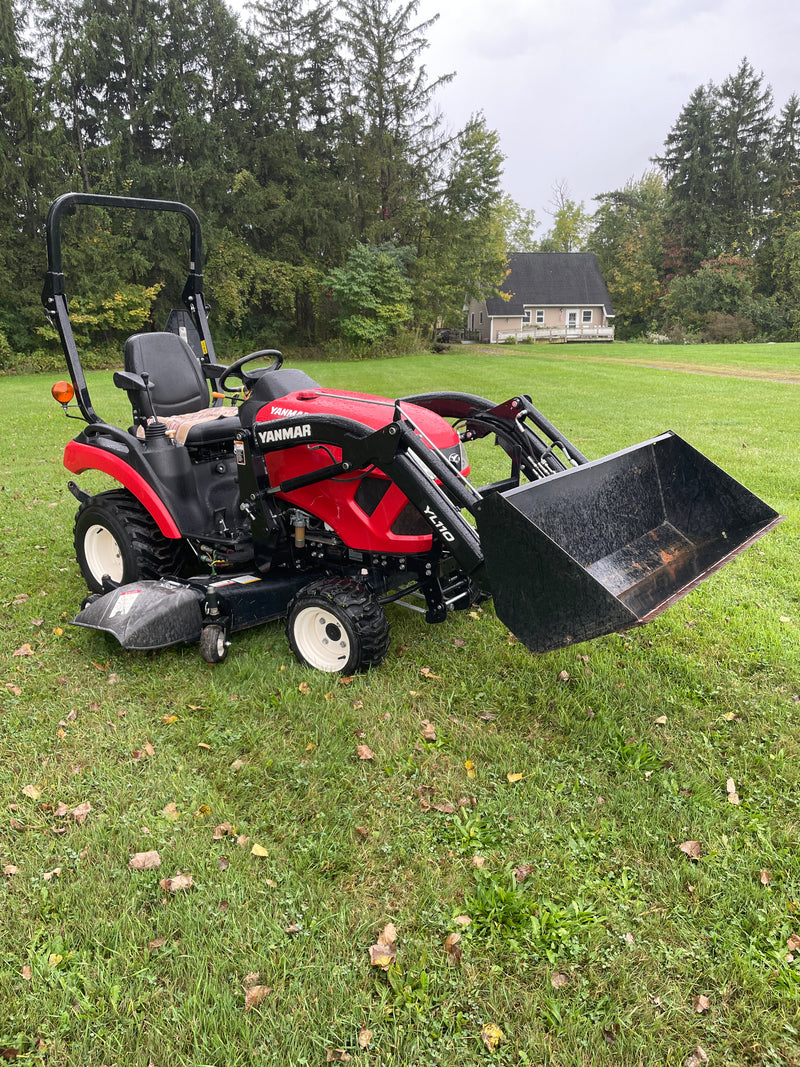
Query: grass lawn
x,y
544,798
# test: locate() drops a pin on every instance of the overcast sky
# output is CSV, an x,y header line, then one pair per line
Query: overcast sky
x,y
587,90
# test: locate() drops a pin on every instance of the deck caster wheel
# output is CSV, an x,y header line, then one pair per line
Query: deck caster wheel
x,y
214,643
337,625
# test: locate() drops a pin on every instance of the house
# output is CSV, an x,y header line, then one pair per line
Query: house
x,y
551,296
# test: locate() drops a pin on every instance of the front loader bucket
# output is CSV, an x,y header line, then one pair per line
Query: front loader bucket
x,y
611,544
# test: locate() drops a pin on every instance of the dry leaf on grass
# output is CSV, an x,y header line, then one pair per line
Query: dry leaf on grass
x,y
255,994
492,1036
177,884
660,721
452,948
793,943
258,850
225,829
695,1058
337,1055
10,870
701,1004
525,870
170,811
55,873
462,920
730,789
558,980
426,672
384,953
692,849
80,812
364,752
32,791
145,861
428,730
765,877
364,1037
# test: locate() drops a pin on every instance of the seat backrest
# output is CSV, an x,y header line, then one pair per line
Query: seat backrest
x,y
176,382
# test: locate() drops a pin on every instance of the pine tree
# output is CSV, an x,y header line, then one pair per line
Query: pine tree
x,y
744,123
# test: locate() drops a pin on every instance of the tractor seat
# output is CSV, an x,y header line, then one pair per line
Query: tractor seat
x,y
177,391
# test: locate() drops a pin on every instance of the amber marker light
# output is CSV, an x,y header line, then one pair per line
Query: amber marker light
x,y
63,392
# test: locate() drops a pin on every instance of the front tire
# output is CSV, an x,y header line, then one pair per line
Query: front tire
x,y
337,625
115,536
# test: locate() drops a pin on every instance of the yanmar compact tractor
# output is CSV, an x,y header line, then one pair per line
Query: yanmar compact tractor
x,y
320,506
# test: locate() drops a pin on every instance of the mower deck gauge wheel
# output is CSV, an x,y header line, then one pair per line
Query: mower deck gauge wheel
x,y
336,625
214,643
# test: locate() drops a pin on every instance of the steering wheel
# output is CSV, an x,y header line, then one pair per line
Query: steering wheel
x,y
248,380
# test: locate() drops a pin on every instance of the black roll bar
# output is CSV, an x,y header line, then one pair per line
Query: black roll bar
x,y
54,292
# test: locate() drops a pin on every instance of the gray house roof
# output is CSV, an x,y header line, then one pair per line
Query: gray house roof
x,y
566,279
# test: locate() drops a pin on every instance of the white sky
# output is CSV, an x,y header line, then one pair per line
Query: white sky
x,y
586,91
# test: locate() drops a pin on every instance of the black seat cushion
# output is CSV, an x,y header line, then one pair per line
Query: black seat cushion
x,y
176,381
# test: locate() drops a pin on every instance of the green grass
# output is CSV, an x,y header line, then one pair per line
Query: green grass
x,y
122,972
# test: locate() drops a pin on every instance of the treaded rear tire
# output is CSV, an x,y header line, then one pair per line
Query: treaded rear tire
x,y
115,535
337,625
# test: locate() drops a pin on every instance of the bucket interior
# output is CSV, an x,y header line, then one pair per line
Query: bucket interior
x,y
613,543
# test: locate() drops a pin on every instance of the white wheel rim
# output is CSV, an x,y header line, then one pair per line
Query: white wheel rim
x,y
103,554
321,639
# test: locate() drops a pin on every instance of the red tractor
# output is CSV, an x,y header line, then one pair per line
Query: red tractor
x,y
321,506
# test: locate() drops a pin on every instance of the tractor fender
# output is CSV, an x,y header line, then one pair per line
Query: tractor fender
x,y
80,457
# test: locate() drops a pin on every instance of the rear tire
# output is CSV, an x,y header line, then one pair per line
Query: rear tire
x,y
337,625
115,536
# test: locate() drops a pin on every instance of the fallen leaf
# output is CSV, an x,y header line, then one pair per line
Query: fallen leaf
x,y
765,877
157,942
202,744
515,776
364,1037
237,764
453,948
701,1004
258,850
170,811
469,766
558,980
10,870
15,824
26,973
478,861
660,721
426,672
224,829
145,861
525,870
428,730
337,1055
255,994
304,688
384,953
32,791
610,1034
364,752
491,1036
793,943
80,812
363,831
694,1059
563,676
169,719
462,920
177,884
23,650
242,841
55,873
292,928
692,849
629,939
459,642
223,863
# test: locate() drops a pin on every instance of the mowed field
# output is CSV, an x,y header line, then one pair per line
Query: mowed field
x,y
587,857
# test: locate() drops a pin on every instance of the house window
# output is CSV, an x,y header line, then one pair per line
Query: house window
x,y
480,318
526,318
540,316
586,315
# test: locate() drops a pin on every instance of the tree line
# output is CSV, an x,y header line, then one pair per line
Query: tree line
x,y
335,200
